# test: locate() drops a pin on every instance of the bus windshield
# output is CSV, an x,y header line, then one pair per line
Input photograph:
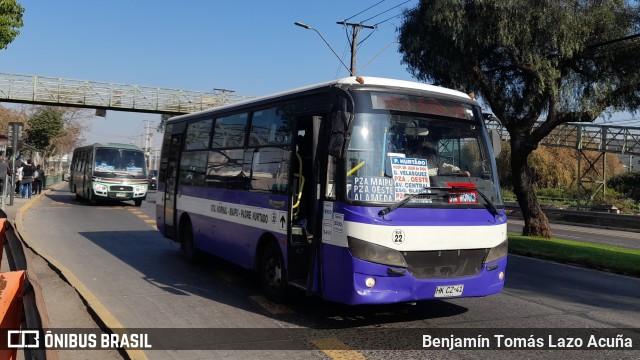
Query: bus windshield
x,y
394,154
112,162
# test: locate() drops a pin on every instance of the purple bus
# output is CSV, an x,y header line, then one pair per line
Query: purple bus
x,y
359,190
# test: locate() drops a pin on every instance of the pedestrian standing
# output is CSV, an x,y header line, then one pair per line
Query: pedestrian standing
x,y
19,177
38,174
27,179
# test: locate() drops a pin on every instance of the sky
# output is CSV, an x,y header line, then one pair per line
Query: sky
x,y
250,47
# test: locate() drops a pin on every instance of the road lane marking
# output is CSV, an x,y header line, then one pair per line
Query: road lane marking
x,y
229,276
271,307
146,218
336,349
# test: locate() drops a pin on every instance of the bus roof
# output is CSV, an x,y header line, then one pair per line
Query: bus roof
x,y
348,81
112,145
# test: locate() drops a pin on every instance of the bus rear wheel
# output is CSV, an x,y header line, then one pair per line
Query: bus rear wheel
x,y
186,240
273,277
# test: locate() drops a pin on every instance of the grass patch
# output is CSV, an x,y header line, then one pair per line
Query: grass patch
x,y
601,257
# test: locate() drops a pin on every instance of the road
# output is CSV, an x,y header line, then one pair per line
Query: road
x,y
144,282
623,239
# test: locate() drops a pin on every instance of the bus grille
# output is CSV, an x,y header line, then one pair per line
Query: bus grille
x,y
444,263
120,188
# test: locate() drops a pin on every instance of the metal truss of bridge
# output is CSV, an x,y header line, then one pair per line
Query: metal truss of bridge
x,y
588,137
110,96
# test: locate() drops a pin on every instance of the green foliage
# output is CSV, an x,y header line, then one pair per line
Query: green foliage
x,y
627,183
44,125
527,58
602,257
10,21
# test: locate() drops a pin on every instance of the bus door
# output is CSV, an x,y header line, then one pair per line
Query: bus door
x,y
171,187
87,186
303,202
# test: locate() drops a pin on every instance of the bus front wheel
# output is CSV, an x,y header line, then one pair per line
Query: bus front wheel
x,y
91,197
273,274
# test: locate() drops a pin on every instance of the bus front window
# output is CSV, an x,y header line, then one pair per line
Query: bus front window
x,y
112,162
392,155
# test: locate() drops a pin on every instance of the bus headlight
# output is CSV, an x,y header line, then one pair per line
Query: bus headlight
x,y
497,252
100,187
367,251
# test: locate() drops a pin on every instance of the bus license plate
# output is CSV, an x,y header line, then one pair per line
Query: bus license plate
x,y
121,194
449,291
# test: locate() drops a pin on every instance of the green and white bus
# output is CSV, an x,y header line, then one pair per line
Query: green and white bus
x,y
109,172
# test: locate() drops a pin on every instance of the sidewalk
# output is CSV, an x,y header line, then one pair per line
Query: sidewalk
x,y
63,307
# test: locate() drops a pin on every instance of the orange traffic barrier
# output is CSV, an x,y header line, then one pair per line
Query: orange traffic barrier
x,y
11,288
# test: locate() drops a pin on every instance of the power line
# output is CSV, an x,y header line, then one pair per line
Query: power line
x,y
395,16
609,42
372,6
386,11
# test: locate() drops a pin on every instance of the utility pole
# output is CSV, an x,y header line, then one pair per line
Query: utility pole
x,y
15,138
148,144
354,41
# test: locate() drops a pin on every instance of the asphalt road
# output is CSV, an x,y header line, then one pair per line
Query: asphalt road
x,y
623,239
140,280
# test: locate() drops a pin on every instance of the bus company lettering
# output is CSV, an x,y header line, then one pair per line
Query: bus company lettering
x,y
220,209
408,161
247,214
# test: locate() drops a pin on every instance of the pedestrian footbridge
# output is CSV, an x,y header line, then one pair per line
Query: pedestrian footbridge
x,y
42,90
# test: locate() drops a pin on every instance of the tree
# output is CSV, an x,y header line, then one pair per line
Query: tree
x,y
536,63
8,115
44,124
54,131
557,167
10,21
627,183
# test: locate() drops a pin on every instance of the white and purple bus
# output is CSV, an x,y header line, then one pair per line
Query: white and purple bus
x,y
359,190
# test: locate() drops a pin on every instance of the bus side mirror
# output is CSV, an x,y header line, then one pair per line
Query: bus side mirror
x,y
496,142
339,133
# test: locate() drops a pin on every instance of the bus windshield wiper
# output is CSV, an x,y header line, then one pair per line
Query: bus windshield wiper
x,y
428,191
489,203
408,198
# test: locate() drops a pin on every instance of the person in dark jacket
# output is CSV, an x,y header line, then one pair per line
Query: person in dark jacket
x,y
38,175
27,179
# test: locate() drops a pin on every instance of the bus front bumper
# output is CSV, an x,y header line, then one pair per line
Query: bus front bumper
x,y
362,282
139,194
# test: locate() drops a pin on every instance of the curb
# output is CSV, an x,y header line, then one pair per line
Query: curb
x,y
101,311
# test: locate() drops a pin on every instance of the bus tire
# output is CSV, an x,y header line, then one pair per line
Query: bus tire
x,y
273,277
90,197
186,240
138,203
